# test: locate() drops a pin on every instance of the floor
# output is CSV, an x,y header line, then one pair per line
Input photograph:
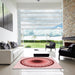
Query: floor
x,y
67,63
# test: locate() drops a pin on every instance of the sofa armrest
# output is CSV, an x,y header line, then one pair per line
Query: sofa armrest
x,y
6,56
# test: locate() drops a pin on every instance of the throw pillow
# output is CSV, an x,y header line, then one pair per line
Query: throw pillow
x,y
9,46
13,44
3,45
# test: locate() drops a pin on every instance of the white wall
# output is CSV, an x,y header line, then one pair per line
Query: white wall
x,y
6,35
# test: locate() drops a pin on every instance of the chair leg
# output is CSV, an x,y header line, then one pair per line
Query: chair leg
x,y
45,48
51,50
55,49
59,57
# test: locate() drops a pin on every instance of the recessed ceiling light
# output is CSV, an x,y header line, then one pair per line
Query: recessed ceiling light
x,y
38,0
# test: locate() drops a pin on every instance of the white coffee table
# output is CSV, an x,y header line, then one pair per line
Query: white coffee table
x,y
40,53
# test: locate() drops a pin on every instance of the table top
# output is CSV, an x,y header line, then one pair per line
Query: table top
x,y
41,52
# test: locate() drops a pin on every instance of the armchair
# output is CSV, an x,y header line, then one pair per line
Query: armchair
x,y
51,45
68,52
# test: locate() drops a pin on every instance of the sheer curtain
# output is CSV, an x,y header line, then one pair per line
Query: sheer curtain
x,y
42,23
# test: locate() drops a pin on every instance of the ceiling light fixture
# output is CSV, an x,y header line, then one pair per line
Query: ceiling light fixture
x,y
38,0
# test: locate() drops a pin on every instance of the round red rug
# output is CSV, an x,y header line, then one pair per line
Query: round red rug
x,y
37,62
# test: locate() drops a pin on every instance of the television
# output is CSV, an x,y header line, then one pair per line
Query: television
x,y
6,18
1,15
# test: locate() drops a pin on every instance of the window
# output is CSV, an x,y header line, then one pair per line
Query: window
x,y
40,23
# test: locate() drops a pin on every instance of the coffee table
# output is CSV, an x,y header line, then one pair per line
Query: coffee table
x,y
41,53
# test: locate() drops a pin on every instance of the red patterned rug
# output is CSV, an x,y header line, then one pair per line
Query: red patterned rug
x,y
37,62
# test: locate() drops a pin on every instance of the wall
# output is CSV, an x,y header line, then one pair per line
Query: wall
x,y
6,35
68,18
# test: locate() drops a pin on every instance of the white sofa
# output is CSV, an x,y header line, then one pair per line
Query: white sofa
x,y
9,55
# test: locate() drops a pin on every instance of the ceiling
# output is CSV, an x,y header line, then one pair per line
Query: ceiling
x,y
42,4
34,4
51,1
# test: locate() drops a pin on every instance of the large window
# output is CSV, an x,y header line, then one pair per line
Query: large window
x,y
40,23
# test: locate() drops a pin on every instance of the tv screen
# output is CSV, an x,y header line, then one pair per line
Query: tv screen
x,y
6,17
1,15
